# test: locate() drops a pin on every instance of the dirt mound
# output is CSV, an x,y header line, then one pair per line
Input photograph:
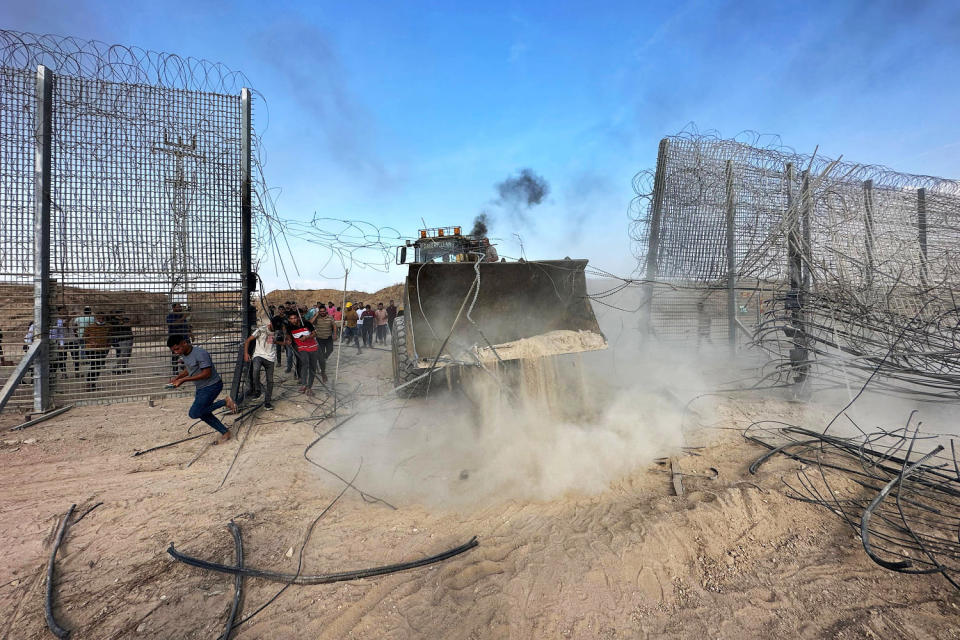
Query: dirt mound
x,y
307,297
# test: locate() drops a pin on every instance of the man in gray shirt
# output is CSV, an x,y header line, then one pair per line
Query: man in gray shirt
x,y
199,369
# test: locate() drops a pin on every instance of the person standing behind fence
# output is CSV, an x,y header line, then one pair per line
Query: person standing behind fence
x,y
80,323
58,357
200,370
264,357
113,321
308,350
391,315
27,341
123,334
325,329
96,345
69,348
178,324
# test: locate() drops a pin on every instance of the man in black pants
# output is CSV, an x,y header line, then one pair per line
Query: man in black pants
x,y
293,360
325,329
367,320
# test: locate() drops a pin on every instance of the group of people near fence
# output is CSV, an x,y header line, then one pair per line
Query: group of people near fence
x,y
86,339
307,336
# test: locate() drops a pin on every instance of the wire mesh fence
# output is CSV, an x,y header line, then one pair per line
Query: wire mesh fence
x,y
146,214
830,266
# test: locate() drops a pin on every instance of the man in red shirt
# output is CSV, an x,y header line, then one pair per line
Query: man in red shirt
x,y
308,350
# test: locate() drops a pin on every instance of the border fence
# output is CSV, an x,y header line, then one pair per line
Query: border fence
x,y
830,266
125,199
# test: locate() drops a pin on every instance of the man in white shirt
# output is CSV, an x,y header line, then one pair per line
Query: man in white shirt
x,y
82,322
264,357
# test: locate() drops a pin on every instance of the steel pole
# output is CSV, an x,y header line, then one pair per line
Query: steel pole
x,y
922,231
41,238
731,262
653,247
868,228
246,220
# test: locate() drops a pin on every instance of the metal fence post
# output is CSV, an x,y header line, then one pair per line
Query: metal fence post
x,y
246,243
806,215
798,275
922,230
868,228
794,244
653,248
41,238
731,262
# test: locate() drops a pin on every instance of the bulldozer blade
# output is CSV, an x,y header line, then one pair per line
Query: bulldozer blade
x,y
510,301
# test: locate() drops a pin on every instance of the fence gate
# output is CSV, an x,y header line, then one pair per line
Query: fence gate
x,y
125,201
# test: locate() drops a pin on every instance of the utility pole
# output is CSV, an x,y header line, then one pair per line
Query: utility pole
x,y
180,206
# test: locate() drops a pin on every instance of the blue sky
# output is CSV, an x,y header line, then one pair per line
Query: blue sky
x,y
393,112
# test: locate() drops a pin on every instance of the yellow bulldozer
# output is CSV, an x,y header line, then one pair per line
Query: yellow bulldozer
x,y
462,307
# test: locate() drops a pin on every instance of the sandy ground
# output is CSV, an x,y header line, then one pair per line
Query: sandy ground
x,y
730,558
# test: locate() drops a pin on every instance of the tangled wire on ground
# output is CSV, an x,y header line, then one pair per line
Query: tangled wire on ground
x,y
916,356
902,503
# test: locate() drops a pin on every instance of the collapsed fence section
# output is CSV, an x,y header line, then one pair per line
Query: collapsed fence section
x,y
136,224
830,266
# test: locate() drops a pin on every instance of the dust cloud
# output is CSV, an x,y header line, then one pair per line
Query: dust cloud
x,y
536,429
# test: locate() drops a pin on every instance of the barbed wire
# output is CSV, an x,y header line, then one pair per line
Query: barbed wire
x,y
879,253
117,63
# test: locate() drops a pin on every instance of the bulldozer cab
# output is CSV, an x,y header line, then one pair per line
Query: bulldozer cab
x,y
461,310
441,244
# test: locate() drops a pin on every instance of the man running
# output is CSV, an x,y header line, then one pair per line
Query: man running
x,y
199,369
325,329
308,351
